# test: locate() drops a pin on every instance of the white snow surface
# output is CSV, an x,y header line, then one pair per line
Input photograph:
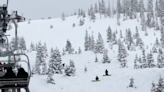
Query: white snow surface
x,y
39,30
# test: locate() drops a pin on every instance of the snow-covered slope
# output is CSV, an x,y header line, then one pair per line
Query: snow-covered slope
x,y
39,30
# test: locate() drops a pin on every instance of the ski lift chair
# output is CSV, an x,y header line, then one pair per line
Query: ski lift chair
x,y
15,81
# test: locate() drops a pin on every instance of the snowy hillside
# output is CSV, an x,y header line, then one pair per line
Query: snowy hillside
x,y
55,33
40,30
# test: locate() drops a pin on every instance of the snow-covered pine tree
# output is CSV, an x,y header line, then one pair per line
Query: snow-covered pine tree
x,y
63,16
137,34
150,60
69,48
56,61
45,50
144,56
22,44
158,87
154,49
162,32
139,43
86,43
160,59
135,62
118,12
79,12
141,7
64,53
122,54
50,70
44,68
156,16
105,57
73,25
131,83
108,10
93,16
79,50
109,34
96,9
99,44
121,34
81,22
92,43
130,39
40,59
114,39
150,14
70,70
143,22
32,47
96,59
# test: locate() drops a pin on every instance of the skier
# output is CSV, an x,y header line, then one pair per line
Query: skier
x,y
106,72
22,74
97,78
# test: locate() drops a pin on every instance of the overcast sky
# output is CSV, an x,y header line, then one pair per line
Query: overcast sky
x,y
37,9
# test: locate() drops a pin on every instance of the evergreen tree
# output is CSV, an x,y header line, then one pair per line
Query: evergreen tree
x,y
92,43
93,17
45,50
96,9
103,7
121,34
143,57
81,22
79,51
122,54
32,47
109,34
56,61
109,10
137,34
143,22
160,59
50,71
162,32
64,53
63,16
99,44
154,49
44,68
150,60
142,8
114,40
69,48
105,57
86,44
157,42
96,59
135,62
150,14
70,70
131,82
22,44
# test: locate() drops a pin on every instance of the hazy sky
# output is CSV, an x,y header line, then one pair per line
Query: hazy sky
x,y
37,9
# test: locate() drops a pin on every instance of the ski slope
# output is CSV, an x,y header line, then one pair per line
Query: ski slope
x,y
39,30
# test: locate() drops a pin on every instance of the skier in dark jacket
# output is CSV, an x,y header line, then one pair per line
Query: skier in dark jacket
x,y
106,72
22,74
9,74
